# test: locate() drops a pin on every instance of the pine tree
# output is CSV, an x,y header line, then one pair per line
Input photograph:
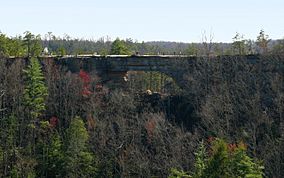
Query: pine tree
x,y
119,47
34,100
200,160
55,157
192,49
32,44
79,161
3,45
223,160
35,90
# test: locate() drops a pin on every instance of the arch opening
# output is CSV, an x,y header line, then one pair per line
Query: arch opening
x,y
154,81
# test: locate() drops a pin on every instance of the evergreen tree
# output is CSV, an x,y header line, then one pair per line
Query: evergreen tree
x,y
11,46
33,44
16,47
192,49
3,45
8,128
55,152
223,160
200,160
239,44
35,90
53,165
119,47
278,49
79,161
34,100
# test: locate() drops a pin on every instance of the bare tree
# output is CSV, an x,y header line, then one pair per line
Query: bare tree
x,y
207,42
262,41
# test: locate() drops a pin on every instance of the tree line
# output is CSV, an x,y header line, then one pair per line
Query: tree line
x,y
34,45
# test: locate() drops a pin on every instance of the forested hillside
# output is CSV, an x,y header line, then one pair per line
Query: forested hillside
x,y
141,89
224,117
226,120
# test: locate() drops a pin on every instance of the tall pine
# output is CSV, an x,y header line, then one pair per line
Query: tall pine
x,y
34,100
80,162
35,90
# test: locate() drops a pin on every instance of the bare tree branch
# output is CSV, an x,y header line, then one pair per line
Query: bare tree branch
x,y
207,43
2,92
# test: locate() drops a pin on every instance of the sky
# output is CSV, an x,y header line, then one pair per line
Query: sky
x,y
144,20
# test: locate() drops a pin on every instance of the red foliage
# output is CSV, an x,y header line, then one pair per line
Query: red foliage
x,y
53,121
86,83
85,77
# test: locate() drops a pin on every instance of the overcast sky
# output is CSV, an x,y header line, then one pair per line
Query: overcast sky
x,y
148,20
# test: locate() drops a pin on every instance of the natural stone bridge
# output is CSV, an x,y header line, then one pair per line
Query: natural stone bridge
x,y
114,68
